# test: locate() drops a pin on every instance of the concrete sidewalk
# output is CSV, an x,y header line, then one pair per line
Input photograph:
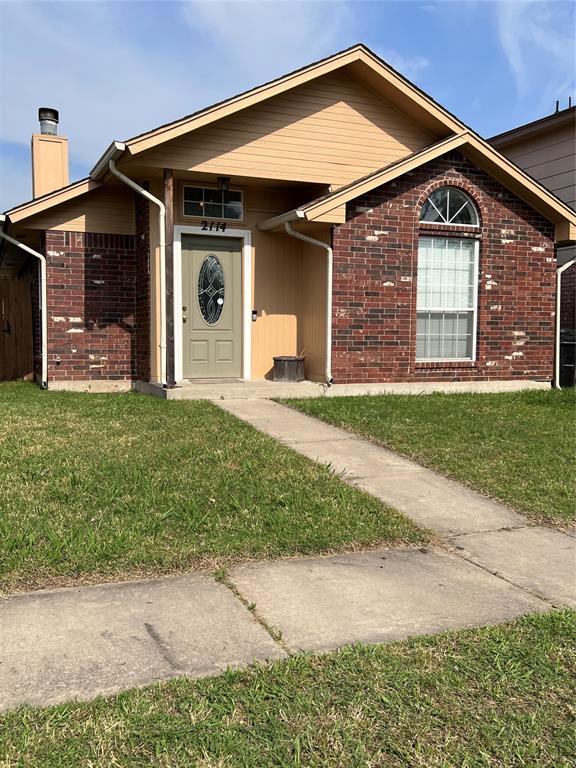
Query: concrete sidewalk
x,y
77,643
539,560
57,645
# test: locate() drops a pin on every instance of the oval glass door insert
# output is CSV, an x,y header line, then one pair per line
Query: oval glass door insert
x,y
211,289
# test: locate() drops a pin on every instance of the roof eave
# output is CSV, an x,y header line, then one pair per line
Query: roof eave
x,y
295,214
114,152
549,122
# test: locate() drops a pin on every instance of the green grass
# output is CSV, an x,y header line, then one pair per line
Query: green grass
x,y
516,447
499,697
106,486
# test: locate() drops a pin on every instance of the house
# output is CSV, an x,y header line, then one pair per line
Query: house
x,y
337,211
546,149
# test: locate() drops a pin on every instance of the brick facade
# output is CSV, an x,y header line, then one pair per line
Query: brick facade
x,y
91,285
374,288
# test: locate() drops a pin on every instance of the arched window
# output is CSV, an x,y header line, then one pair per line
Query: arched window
x,y
449,205
447,281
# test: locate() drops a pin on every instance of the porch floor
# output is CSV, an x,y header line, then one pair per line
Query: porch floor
x,y
262,389
219,389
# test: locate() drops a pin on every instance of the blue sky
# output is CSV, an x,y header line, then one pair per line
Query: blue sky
x,y
118,68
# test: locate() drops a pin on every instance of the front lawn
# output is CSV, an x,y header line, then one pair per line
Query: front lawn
x,y
95,487
501,697
517,447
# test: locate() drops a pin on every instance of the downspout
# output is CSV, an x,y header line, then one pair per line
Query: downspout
x,y
43,300
329,267
162,248
559,271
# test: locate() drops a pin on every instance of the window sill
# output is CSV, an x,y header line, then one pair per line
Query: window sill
x,y
450,230
445,364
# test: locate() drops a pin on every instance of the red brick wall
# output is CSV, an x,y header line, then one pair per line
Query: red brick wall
x,y
375,265
91,306
568,299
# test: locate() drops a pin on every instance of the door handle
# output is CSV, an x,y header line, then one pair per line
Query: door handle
x,y
8,329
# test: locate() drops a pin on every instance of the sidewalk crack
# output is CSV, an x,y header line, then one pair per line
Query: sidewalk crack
x,y
276,634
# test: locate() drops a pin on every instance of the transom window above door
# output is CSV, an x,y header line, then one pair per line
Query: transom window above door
x,y
213,203
450,205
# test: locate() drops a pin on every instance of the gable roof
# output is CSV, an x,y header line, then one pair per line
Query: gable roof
x,y
359,58
550,122
478,150
378,74
50,199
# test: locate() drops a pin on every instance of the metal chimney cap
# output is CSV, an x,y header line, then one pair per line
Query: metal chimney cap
x,y
49,119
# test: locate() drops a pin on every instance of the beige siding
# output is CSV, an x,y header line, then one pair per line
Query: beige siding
x,y
330,131
49,163
277,297
107,209
287,284
550,157
314,306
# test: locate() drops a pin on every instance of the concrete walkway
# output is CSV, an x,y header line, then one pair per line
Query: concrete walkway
x,y
539,560
57,645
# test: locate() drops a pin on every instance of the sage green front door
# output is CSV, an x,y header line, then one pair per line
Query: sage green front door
x,y
211,307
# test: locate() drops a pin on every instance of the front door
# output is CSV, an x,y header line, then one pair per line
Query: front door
x,y
211,307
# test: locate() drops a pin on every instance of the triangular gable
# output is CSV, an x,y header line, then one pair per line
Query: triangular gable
x,y
328,131
359,61
329,207
58,196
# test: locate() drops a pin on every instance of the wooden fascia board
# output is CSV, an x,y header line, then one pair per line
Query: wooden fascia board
x,y
523,132
172,131
335,215
523,185
520,182
235,104
565,232
415,94
322,207
49,201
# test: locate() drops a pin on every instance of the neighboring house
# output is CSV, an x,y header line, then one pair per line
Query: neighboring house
x,y
546,149
337,211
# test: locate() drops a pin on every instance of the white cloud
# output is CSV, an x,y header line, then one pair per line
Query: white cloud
x,y
268,36
538,41
409,66
112,79
80,59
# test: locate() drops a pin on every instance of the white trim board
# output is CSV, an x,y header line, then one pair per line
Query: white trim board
x,y
241,234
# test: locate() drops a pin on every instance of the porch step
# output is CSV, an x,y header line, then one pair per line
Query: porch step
x,y
226,390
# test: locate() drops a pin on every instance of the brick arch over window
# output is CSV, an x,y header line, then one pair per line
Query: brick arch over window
x,y
375,285
460,183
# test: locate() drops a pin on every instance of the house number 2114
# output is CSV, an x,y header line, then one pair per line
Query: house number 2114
x,y
214,226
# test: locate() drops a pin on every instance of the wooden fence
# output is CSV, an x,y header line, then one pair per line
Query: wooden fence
x,y
16,343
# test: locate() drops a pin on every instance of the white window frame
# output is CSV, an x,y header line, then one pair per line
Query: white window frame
x,y
457,225
474,309
199,216
240,234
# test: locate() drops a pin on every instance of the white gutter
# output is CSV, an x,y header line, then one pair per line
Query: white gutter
x,y
283,218
162,248
114,151
43,300
329,266
559,272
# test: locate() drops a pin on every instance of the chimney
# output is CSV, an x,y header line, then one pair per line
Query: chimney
x,y
49,155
